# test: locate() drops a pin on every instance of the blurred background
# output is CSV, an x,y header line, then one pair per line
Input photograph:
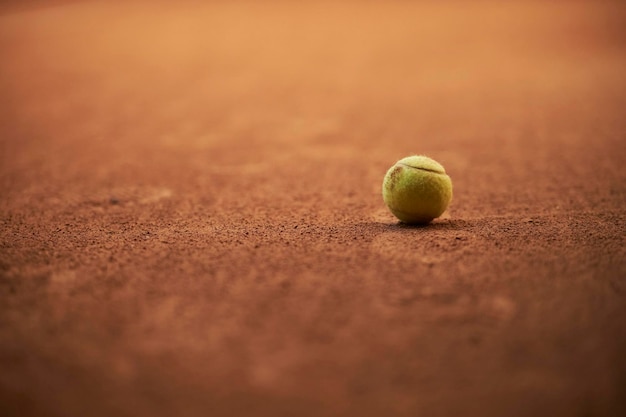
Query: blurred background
x,y
339,79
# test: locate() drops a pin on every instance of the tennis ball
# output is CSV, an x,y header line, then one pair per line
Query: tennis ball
x,y
417,189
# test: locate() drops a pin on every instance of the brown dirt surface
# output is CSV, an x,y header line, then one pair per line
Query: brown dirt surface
x,y
191,221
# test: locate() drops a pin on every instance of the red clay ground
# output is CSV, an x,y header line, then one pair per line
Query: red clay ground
x,y
191,219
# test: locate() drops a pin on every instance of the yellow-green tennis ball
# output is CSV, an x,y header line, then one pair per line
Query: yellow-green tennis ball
x,y
417,189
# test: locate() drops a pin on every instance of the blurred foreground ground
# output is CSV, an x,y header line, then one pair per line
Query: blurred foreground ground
x,y
191,221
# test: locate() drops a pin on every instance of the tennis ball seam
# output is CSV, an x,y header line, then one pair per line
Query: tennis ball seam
x,y
423,169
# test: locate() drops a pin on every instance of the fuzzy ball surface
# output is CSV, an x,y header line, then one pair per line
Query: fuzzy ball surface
x,y
417,189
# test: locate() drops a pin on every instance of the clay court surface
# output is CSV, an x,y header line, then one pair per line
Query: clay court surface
x,y
191,220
